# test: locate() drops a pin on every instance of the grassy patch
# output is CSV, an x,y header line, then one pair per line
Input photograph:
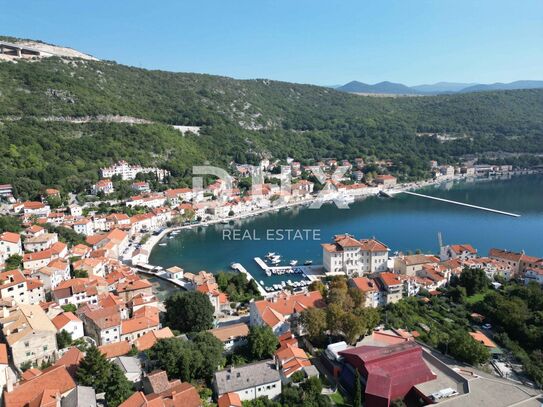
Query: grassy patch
x,y
475,298
339,400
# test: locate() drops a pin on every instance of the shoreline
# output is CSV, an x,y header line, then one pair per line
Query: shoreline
x,y
153,240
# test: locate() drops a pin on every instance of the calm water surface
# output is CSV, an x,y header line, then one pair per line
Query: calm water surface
x,y
403,223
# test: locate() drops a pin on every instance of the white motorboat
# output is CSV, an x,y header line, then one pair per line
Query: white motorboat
x,y
270,255
163,244
293,262
308,262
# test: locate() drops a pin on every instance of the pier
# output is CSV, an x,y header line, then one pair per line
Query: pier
x,y
463,204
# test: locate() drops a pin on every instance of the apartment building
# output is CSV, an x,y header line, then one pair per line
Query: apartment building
x,y
13,286
30,335
347,255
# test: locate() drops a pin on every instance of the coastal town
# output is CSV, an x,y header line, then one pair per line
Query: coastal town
x,y
83,325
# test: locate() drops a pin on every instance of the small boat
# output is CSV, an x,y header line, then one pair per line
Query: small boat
x,y
163,244
293,262
276,261
261,282
270,255
268,273
308,262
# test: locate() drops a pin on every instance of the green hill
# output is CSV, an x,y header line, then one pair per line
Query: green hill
x,y
41,145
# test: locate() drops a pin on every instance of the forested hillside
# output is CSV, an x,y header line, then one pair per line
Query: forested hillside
x,y
240,120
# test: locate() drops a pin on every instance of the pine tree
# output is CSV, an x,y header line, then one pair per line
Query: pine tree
x,y
357,399
118,387
94,370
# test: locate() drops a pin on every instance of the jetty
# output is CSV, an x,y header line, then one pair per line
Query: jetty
x,y
462,204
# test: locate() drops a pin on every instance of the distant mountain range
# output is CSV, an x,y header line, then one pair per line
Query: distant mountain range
x,y
391,88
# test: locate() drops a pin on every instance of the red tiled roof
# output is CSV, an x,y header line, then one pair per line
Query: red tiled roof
x,y
389,279
459,248
481,337
364,284
229,400
148,340
57,378
275,310
3,354
112,350
61,320
10,237
373,245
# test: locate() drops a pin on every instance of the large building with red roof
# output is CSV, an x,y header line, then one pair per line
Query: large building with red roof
x,y
387,373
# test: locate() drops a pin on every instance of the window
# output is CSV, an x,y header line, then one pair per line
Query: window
x,y
27,344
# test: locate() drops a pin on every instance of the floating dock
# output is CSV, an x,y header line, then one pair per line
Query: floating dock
x,y
463,204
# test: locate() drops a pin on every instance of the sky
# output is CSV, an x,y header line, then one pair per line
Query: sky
x,y
324,42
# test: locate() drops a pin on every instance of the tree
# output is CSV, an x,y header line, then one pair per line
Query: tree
x,y
94,370
297,377
191,360
314,322
189,312
352,327
13,262
262,341
462,346
369,316
10,224
458,294
334,316
212,350
118,388
69,308
64,339
80,274
473,280
319,286
260,402
166,353
357,398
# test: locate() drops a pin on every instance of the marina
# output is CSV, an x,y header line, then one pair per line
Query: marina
x,y
274,270
205,249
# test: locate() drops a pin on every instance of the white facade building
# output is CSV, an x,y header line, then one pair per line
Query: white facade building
x,y
347,255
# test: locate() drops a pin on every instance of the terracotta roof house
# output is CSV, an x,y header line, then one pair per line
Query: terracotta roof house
x,y
278,311
229,400
50,385
148,340
71,359
180,395
116,349
231,336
